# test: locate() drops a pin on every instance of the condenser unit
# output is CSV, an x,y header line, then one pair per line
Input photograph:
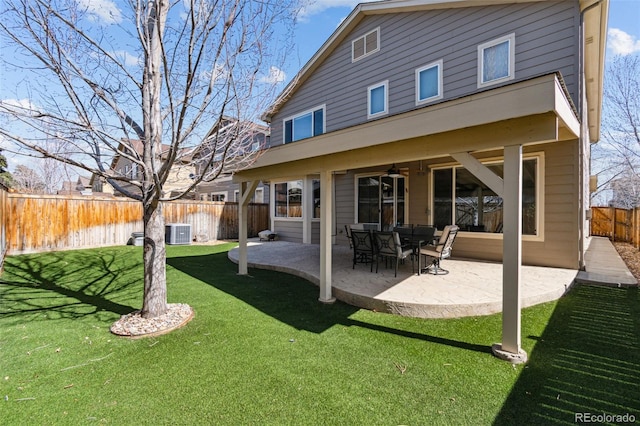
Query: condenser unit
x,y
177,233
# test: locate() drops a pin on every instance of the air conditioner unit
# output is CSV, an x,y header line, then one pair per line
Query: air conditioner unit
x,y
177,233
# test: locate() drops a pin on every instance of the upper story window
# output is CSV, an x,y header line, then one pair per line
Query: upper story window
x,y
377,99
429,83
305,125
496,60
365,45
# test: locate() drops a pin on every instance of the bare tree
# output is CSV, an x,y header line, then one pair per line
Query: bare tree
x,y
148,83
616,158
28,181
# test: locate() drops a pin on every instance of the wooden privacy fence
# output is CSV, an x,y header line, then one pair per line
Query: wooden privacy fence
x,y
37,223
616,224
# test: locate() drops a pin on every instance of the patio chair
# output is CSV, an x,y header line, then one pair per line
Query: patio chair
x,y
388,246
347,231
441,250
363,247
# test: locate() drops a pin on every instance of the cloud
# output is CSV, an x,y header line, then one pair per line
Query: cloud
x,y
127,58
313,7
103,11
622,43
19,106
276,75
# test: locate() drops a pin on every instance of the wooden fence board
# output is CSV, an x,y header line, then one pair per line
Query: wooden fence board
x,y
616,224
49,222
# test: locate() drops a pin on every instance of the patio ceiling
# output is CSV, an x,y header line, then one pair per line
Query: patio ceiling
x,y
487,120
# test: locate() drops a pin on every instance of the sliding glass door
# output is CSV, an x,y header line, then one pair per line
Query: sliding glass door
x,y
381,201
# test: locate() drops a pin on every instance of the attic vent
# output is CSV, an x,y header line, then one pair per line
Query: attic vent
x,y
588,40
365,45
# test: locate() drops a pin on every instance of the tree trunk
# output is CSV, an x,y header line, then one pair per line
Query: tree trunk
x,y
155,277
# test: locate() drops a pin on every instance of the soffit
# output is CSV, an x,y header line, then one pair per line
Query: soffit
x,y
595,35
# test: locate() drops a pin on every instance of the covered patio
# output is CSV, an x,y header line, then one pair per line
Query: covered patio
x,y
471,288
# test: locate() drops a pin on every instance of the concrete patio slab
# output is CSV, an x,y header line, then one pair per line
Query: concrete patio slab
x,y
471,288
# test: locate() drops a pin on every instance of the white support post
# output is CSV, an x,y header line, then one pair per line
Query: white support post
x,y
307,211
510,348
326,209
246,190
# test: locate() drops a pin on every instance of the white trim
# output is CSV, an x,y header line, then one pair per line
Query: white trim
x,y
273,199
439,66
385,111
364,40
511,38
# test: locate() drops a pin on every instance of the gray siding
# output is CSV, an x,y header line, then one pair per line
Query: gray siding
x,y
546,41
289,230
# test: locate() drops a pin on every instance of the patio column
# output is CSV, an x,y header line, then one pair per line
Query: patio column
x,y
510,349
510,189
326,209
246,190
307,210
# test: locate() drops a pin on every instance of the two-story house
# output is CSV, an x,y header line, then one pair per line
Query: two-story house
x,y
477,113
253,138
180,175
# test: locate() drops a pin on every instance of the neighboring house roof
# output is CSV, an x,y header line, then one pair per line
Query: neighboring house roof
x,y
595,21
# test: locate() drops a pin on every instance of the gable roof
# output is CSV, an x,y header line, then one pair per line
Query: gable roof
x,y
595,19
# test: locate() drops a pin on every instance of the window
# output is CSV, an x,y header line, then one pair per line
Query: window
x,y
460,198
496,61
429,83
288,199
258,196
218,196
309,123
377,99
365,45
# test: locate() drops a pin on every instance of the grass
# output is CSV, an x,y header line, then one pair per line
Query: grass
x,y
262,350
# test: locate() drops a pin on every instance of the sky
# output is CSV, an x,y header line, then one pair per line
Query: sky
x,y
320,18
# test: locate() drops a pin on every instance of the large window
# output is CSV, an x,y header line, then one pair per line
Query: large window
x,y
377,99
309,123
462,199
288,199
496,61
429,83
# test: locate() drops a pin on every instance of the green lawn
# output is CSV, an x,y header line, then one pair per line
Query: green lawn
x,y
262,350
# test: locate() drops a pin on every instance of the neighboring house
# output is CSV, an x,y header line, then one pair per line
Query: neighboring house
x,y
483,110
83,186
254,137
180,175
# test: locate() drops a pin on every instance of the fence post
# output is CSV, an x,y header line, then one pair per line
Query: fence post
x,y
613,223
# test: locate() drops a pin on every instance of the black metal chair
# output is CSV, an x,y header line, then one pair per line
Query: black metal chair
x,y
363,247
441,250
388,246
